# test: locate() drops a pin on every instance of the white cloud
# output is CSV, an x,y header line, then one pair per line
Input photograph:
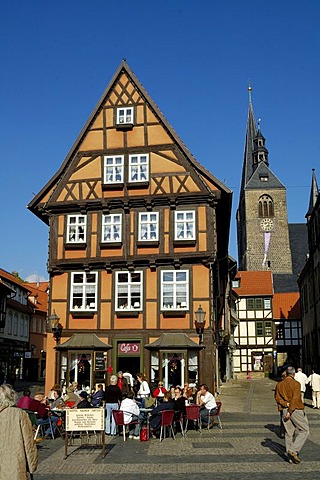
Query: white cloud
x,y
35,277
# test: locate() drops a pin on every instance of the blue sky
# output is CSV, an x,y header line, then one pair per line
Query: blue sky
x,y
195,59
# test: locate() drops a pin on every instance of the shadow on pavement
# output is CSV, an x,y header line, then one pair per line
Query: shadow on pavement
x,y
275,447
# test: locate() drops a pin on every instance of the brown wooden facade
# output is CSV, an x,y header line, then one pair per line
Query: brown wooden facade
x,y
137,227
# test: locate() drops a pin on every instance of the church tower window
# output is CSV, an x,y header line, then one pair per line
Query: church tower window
x,y
266,207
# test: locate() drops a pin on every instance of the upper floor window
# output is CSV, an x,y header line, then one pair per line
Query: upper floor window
x,y
148,226
84,291
124,115
128,291
112,227
266,207
138,168
174,289
258,303
76,228
113,169
185,225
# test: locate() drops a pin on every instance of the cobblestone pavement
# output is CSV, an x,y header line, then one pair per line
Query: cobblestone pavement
x,y
249,445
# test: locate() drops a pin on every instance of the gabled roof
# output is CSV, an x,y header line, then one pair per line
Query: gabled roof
x,y
38,298
56,179
11,278
286,306
263,170
254,283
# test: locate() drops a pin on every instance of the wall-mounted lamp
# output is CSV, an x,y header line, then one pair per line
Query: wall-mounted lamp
x,y
200,322
54,326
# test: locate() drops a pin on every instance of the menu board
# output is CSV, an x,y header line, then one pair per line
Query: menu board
x,y
100,361
83,419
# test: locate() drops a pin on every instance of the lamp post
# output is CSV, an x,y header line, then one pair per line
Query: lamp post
x,y
200,322
54,326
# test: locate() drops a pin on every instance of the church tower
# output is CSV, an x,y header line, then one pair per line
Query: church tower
x,y
262,220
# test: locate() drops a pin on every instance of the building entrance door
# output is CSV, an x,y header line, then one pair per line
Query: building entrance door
x,y
173,370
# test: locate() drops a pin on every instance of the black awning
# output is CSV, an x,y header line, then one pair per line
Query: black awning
x,y
176,341
84,341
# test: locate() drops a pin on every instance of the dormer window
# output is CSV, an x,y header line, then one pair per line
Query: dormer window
x,y
125,116
264,178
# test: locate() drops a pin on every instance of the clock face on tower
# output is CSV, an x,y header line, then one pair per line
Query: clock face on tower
x,y
266,224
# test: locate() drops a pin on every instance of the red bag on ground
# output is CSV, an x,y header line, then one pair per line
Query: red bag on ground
x,y
144,434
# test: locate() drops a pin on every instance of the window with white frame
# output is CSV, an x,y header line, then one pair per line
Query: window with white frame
x,y
112,227
148,226
138,168
128,291
185,225
124,115
175,289
76,228
84,291
113,169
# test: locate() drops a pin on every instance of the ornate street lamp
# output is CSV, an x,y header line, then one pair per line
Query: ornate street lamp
x,y
200,322
54,326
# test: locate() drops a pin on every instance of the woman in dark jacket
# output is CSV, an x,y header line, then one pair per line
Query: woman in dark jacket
x,y
155,419
113,397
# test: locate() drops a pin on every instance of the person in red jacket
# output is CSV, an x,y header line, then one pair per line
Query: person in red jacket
x,y
159,391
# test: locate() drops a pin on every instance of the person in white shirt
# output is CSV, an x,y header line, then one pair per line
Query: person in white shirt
x,y
131,412
207,403
303,380
314,380
144,390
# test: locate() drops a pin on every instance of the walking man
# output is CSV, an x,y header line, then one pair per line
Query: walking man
x,y
314,380
288,398
303,380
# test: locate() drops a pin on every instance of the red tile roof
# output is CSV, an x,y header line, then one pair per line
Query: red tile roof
x,y
38,297
286,306
254,283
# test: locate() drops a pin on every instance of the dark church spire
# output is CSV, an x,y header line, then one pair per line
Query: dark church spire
x,y
313,193
249,146
259,153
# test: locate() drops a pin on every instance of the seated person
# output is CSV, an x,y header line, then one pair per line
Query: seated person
x,y
97,397
207,403
58,401
159,391
51,397
27,402
84,402
179,403
71,396
155,419
42,414
187,392
131,412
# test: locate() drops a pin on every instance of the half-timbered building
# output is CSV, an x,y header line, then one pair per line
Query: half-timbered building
x,y
137,229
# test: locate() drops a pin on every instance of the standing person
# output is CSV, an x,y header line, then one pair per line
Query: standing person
x,y
123,384
282,430
207,403
129,378
144,390
303,380
288,398
314,380
18,449
113,397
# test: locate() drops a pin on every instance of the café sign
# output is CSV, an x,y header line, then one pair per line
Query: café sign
x,y
129,348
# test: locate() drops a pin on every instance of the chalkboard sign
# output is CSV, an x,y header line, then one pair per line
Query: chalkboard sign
x,y
100,363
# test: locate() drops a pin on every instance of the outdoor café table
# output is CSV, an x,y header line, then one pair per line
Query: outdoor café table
x,y
148,412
